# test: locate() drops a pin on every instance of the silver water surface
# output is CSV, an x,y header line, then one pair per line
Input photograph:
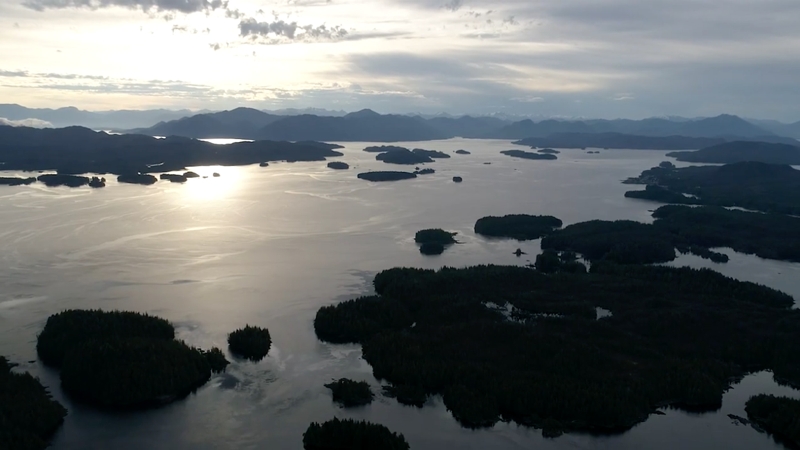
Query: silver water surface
x,y
269,246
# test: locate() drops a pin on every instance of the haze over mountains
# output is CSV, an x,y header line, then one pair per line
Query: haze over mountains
x,y
367,125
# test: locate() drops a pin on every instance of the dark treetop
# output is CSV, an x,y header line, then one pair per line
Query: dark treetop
x,y
522,227
780,416
350,393
28,414
251,342
677,336
749,185
351,435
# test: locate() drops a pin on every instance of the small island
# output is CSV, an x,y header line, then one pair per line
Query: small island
x,y
122,360
137,178
29,415
426,171
384,148
549,151
349,393
522,227
173,177
404,156
72,181
338,165
15,181
352,435
434,241
528,155
263,164
252,343
457,179
777,415
191,174
97,182
462,152
386,176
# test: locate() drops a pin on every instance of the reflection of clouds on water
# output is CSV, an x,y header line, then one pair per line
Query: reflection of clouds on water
x,y
19,302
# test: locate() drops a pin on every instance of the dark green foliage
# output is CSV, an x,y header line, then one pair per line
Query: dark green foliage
x,y
407,394
216,360
691,230
521,227
431,248
676,337
386,176
251,342
97,182
427,171
780,416
365,317
63,180
750,185
70,328
435,154
383,148
28,414
138,178
349,393
529,155
549,151
133,372
338,165
434,236
548,262
14,181
351,435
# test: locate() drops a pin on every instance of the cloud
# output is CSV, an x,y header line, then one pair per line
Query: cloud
x,y
32,123
181,6
454,5
278,30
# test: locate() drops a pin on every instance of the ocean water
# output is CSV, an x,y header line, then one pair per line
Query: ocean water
x,y
269,246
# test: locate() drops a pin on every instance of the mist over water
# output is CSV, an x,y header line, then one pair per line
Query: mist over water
x,y
269,246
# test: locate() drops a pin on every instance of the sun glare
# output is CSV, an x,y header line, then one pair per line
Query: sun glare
x,y
208,187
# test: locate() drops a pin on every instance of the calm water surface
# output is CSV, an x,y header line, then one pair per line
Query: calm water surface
x,y
269,246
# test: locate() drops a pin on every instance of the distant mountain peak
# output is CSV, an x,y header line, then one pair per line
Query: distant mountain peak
x,y
363,114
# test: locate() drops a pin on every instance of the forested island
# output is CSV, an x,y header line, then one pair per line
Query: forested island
x,y
522,227
462,152
28,414
780,416
433,241
351,435
16,181
338,165
750,185
690,230
252,343
349,393
123,360
677,336
403,156
743,151
173,177
386,176
76,150
139,178
529,155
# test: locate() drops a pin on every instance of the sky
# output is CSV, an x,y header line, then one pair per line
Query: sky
x,y
560,58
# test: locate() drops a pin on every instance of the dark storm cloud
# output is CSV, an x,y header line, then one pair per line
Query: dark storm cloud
x,y
182,6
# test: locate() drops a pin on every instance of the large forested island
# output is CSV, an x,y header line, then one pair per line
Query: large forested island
x,y
28,414
750,185
522,227
741,151
529,155
780,416
77,150
677,337
690,230
386,176
351,435
123,360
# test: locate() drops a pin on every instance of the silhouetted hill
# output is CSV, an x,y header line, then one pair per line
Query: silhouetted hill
x,y
466,126
64,117
741,151
528,128
784,129
76,150
361,126
241,123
